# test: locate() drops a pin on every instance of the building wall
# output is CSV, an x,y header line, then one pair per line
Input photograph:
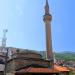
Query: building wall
x,y
1,73
10,74
11,66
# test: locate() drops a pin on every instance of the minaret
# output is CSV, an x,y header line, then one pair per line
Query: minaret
x,y
47,19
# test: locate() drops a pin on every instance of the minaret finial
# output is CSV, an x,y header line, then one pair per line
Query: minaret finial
x,y
47,7
46,2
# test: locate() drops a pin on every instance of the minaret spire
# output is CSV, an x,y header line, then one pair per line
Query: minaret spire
x,y
46,2
47,7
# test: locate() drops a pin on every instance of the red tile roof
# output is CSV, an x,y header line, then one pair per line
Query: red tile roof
x,y
56,69
61,69
37,70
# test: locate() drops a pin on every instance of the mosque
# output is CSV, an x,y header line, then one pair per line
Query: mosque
x,y
28,62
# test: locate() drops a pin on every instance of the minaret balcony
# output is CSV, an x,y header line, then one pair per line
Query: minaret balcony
x,y
47,17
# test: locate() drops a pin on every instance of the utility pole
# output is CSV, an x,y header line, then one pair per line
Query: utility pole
x,y
6,57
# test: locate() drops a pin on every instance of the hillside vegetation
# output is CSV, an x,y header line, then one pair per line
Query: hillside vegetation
x,y
67,56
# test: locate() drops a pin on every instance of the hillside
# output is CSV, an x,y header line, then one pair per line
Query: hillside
x,y
67,56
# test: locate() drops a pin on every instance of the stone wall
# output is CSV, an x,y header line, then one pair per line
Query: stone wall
x,y
16,64
27,55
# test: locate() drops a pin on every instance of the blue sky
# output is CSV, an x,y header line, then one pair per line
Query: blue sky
x,y
24,21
